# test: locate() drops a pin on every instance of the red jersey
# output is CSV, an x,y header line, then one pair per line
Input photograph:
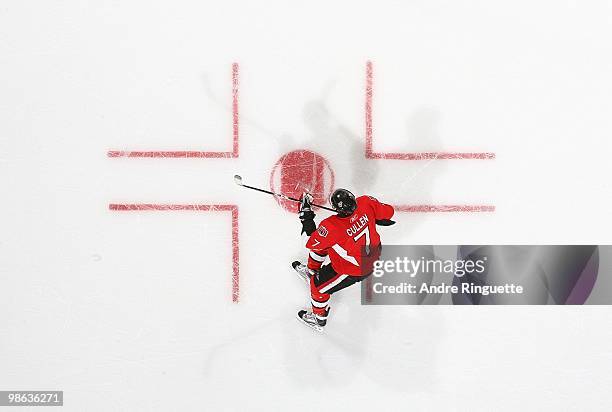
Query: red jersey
x,y
342,238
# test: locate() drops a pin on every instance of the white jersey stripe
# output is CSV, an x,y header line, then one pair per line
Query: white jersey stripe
x,y
344,254
334,283
318,304
316,257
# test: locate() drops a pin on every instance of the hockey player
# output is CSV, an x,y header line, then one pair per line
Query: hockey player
x,y
349,239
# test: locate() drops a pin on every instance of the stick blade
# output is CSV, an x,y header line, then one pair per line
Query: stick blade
x,y
238,180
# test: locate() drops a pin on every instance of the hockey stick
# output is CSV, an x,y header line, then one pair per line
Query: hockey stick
x,y
238,181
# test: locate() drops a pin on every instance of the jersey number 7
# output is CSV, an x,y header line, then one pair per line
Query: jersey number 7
x,y
365,232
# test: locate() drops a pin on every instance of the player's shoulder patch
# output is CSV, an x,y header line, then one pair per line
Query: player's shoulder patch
x,y
322,230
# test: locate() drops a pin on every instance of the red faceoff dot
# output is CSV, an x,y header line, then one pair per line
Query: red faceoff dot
x,y
302,171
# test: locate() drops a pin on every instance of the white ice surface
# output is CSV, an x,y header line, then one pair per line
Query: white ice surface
x,y
132,311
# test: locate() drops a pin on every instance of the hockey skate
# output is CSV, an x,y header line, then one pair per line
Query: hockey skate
x,y
302,271
312,321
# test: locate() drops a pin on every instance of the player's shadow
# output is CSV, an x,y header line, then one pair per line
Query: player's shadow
x,y
415,180
347,149
412,181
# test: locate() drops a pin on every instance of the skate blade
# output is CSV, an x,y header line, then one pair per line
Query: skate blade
x,y
302,276
310,325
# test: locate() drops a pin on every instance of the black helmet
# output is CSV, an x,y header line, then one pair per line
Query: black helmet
x,y
343,202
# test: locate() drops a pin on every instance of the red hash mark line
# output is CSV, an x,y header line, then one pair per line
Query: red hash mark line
x,y
197,208
188,153
369,152
444,208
